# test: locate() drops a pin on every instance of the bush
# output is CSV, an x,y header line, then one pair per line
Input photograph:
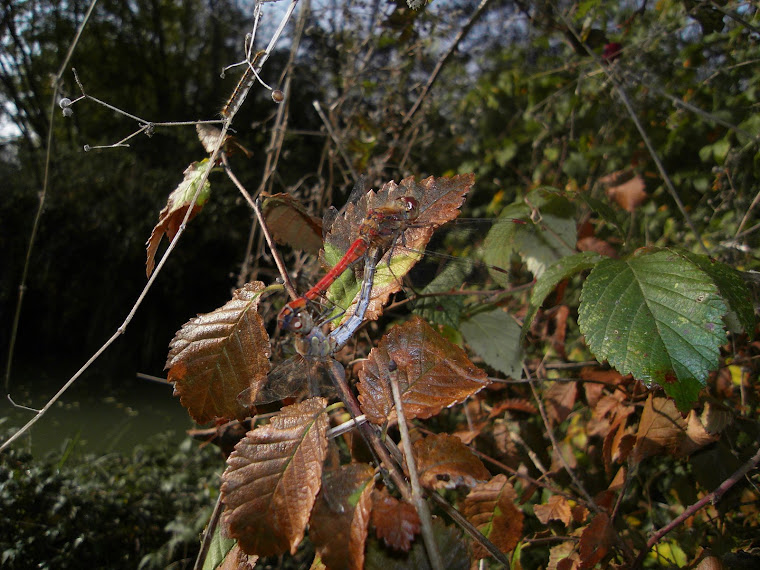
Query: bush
x,y
146,509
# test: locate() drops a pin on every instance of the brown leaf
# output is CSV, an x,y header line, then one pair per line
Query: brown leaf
x,y
396,523
432,373
170,218
340,518
560,399
515,405
491,508
596,380
438,199
273,477
215,356
596,540
630,194
290,223
556,509
444,462
626,188
597,245
661,429
696,436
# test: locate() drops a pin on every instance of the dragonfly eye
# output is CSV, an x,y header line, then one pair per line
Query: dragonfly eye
x,y
410,203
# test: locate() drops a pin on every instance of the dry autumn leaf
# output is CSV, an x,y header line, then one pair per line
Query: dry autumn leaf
x,y
444,462
290,223
171,217
490,506
557,508
560,399
595,541
432,373
215,356
396,523
340,520
630,194
661,429
272,480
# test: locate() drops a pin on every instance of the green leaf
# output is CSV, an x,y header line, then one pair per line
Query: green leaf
x,y
562,269
604,210
495,337
539,243
219,548
657,316
444,309
732,288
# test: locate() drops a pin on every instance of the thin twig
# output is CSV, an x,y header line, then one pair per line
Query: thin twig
x,y
208,534
265,230
441,62
713,498
423,511
336,140
42,195
555,444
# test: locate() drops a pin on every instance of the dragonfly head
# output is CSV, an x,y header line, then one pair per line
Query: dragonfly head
x,y
411,206
296,321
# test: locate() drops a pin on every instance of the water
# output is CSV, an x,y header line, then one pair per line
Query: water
x,y
92,417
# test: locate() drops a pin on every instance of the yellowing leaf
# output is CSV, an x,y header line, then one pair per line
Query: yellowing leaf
x,y
176,207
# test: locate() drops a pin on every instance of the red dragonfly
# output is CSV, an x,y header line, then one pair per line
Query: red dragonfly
x,y
406,213
379,229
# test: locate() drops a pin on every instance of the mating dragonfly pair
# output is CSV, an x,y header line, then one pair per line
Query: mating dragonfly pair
x,y
392,214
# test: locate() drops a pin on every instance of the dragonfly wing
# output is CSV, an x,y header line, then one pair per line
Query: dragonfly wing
x,y
288,379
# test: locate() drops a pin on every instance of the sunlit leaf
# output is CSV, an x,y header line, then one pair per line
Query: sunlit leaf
x,y
432,373
290,223
176,207
444,462
439,201
732,288
215,356
657,316
339,522
490,506
396,523
495,337
273,477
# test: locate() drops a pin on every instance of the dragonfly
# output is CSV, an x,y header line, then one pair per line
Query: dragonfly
x,y
314,350
397,218
378,230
